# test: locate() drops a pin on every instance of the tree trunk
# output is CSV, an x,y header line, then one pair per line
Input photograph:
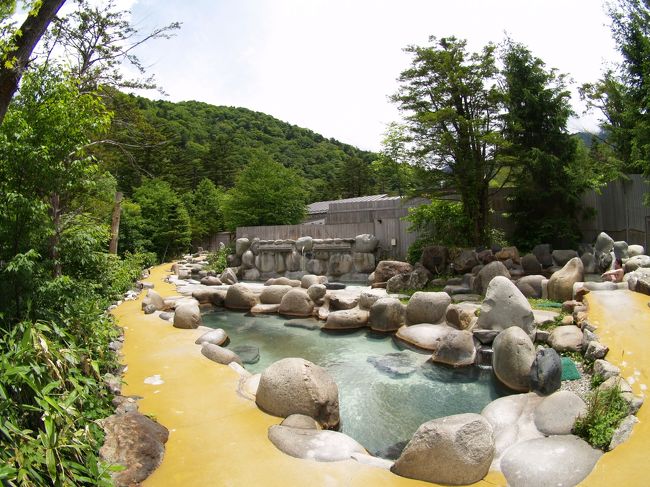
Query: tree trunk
x,y
115,224
30,33
55,203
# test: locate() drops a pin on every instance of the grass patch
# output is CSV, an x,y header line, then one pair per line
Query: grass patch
x,y
544,304
605,411
596,380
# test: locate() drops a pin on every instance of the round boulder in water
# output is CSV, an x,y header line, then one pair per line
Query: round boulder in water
x,y
427,307
513,357
187,315
546,372
297,386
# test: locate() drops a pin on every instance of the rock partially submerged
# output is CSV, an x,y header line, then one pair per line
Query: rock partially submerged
x,y
297,386
313,444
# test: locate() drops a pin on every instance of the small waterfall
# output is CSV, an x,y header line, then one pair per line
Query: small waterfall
x,y
484,357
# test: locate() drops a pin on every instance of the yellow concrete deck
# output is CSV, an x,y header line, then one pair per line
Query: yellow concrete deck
x,y
218,438
623,320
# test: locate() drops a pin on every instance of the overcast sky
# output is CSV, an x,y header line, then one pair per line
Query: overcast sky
x,y
330,65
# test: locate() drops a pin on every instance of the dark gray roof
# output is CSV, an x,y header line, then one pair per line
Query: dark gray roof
x,y
323,206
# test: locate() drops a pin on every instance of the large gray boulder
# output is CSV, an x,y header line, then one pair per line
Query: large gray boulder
x,y
634,263
454,450
297,386
211,281
346,319
389,268
456,348
487,273
296,302
316,292
248,260
413,280
240,297
634,250
505,306
187,316
241,246
556,460
543,254
546,372
513,357
589,263
604,243
557,413
209,295
135,442
313,444
156,299
228,276
425,335
465,261
435,258
369,297
459,317
530,265
566,339
531,286
309,280
365,243
339,264
387,314
512,419
561,257
427,307
304,244
560,285
363,262
216,337
620,250
273,294
219,354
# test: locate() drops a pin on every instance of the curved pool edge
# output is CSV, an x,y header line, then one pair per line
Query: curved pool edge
x,y
623,321
216,436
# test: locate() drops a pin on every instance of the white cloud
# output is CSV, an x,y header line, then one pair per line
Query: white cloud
x,y
330,65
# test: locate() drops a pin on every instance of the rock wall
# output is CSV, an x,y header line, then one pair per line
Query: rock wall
x,y
344,259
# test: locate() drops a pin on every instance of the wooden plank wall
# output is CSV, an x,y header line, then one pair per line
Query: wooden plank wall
x,y
619,212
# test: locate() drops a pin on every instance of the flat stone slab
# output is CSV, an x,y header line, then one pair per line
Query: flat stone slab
x,y
307,324
426,336
542,316
557,460
321,446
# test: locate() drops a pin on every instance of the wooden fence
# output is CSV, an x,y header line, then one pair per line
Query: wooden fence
x,y
619,211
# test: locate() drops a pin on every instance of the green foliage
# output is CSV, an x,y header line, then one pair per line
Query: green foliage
x,y
186,142
217,261
442,222
204,207
596,380
553,173
164,220
265,193
605,411
451,102
52,394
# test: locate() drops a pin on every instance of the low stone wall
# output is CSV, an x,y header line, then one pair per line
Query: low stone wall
x,y
344,259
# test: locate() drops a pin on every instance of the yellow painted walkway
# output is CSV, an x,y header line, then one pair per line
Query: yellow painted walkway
x,y
623,320
218,438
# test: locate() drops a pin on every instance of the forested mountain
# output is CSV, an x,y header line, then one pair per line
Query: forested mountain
x,y
187,141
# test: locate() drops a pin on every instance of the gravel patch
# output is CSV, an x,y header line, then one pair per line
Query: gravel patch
x,y
581,386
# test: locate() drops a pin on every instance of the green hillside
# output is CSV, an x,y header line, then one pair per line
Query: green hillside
x,y
187,141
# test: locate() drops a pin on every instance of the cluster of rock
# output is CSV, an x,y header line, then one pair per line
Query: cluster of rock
x,y
543,273
348,259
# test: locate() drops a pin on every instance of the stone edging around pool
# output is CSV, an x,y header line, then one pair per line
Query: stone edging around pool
x,y
455,431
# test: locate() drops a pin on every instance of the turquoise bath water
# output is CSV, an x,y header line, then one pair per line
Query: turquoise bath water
x,y
383,398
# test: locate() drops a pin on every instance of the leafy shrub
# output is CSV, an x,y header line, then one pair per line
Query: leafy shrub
x,y
52,395
441,222
217,261
605,411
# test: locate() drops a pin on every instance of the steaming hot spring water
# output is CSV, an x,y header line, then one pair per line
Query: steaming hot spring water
x,y
386,390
